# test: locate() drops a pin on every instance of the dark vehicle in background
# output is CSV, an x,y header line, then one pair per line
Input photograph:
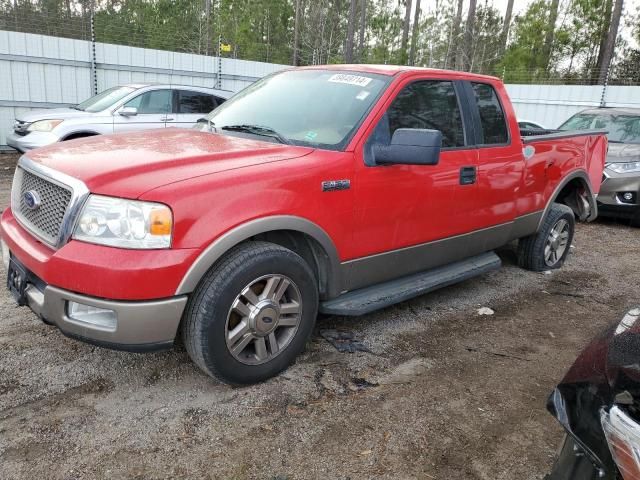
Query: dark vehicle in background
x,y
598,404
620,192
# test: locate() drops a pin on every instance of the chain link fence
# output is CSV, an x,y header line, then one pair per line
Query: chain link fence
x,y
219,28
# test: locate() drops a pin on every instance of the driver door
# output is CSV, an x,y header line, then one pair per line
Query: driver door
x,y
398,207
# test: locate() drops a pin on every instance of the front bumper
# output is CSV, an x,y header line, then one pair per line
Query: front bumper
x,y
141,326
614,185
31,140
138,286
138,326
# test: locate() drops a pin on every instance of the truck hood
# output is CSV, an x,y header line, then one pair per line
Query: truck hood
x,y
623,152
128,165
50,114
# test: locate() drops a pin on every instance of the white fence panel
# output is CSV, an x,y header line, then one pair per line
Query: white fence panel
x,y
38,71
551,105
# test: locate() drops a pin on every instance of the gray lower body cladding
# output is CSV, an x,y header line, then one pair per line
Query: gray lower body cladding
x,y
372,298
144,325
374,269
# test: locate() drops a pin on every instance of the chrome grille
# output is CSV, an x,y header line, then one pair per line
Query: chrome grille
x,y
46,219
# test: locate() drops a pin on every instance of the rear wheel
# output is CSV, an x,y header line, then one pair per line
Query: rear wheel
x,y
252,314
549,247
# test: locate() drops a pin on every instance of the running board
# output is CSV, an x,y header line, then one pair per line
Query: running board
x,y
372,298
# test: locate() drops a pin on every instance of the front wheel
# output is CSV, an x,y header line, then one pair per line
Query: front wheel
x,y
549,247
252,314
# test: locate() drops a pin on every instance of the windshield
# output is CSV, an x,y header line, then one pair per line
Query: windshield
x,y
318,108
623,128
105,99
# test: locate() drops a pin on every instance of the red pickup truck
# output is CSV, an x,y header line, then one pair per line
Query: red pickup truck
x,y
338,189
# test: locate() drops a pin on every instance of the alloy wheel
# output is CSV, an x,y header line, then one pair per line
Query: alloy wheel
x,y
263,319
557,242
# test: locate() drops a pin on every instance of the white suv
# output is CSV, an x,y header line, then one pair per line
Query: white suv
x,y
118,109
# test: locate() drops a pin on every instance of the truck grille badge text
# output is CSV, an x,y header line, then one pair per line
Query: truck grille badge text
x,y
332,185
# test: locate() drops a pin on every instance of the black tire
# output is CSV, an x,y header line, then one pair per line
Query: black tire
x,y
635,221
204,328
531,249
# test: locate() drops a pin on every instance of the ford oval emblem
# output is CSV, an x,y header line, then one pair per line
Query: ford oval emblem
x,y
31,199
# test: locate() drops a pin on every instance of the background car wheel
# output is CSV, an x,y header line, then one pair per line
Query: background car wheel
x,y
548,248
252,314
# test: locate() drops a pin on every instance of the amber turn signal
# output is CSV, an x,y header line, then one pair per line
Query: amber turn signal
x,y
160,221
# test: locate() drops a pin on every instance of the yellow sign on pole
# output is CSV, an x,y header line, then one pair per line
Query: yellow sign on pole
x,y
225,47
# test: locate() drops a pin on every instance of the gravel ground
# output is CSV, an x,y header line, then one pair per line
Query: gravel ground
x,y
444,394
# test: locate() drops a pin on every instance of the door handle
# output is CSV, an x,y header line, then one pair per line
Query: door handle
x,y
467,175
166,119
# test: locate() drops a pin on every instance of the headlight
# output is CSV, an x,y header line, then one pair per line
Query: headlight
x,y
124,223
44,125
623,437
628,167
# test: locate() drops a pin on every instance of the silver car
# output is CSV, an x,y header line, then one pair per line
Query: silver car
x,y
119,109
620,191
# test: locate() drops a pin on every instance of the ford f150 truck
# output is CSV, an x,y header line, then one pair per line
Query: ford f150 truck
x,y
337,189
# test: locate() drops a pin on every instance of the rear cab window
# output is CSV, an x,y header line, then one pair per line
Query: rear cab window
x,y
493,123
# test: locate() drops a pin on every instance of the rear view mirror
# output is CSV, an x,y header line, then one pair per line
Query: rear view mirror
x,y
410,146
128,111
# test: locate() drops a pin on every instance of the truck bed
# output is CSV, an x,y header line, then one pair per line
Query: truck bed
x,y
538,135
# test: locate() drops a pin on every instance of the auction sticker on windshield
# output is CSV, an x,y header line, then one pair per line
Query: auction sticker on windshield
x,y
350,79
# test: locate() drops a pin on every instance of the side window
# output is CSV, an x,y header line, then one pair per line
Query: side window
x,y
195,102
492,119
428,104
155,101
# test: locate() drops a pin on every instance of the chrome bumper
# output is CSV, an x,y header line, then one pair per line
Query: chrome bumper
x,y
141,326
615,184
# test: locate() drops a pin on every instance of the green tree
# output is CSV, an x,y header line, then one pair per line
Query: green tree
x,y
524,60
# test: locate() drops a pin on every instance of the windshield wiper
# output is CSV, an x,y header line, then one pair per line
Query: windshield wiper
x,y
76,107
257,130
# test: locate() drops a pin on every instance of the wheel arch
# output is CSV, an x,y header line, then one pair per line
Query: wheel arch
x,y
79,134
298,234
575,182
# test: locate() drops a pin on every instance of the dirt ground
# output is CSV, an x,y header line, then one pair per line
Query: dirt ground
x,y
444,394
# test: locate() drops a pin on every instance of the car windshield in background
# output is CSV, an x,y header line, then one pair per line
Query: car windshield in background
x,y
622,128
105,99
320,108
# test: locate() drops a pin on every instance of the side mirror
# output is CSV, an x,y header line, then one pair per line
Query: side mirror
x,y
128,111
410,146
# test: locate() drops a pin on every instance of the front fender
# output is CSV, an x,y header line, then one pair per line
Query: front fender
x,y
237,235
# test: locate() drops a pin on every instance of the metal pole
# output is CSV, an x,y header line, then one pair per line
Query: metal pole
x,y
94,70
603,99
219,82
